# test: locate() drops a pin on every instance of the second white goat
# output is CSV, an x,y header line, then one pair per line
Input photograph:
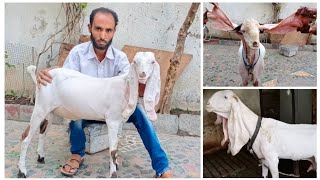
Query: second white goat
x,y
275,139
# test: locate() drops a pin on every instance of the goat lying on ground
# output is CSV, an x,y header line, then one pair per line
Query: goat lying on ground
x,y
275,140
251,51
114,103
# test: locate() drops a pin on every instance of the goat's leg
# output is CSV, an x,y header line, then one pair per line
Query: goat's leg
x,y
264,169
113,128
44,126
37,117
256,83
244,83
272,162
313,165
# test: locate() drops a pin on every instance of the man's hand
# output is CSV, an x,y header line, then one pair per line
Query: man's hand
x,y
44,77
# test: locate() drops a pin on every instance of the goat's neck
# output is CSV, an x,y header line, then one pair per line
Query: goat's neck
x,y
249,118
249,54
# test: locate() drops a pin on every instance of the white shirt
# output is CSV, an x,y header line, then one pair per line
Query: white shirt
x,y
82,58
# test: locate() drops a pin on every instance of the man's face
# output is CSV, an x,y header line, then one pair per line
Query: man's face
x,y
102,30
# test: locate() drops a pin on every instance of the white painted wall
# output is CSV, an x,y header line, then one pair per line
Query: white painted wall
x,y
238,12
290,8
151,25
28,25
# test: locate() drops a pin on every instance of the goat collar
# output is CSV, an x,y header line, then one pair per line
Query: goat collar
x,y
254,136
249,67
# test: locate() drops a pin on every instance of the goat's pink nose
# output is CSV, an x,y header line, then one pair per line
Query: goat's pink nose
x,y
255,44
143,74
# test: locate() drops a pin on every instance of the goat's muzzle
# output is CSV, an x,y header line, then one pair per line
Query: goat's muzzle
x,y
142,75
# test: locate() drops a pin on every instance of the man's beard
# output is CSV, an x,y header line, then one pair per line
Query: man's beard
x,y
96,45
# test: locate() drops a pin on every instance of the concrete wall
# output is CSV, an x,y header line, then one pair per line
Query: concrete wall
x,y
213,134
27,26
151,25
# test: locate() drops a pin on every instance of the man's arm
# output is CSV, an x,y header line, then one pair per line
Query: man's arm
x,y
124,65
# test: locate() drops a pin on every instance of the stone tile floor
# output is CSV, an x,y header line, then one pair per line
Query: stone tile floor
x,y
183,153
220,67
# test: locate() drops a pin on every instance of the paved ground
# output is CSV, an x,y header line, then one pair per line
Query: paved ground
x,y
183,153
220,67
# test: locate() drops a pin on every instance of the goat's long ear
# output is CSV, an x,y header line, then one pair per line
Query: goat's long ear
x,y
152,91
132,81
220,20
299,21
218,120
238,133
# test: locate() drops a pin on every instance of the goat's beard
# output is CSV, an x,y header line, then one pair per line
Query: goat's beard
x,y
97,46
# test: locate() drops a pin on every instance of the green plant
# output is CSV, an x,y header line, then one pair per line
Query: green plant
x,y
6,63
83,5
11,93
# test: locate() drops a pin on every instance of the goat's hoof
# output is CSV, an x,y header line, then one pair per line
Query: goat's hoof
x,y
40,159
114,175
21,174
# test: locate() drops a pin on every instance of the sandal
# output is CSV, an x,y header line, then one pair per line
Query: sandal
x,y
71,167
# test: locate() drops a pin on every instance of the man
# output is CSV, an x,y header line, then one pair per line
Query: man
x,y
100,59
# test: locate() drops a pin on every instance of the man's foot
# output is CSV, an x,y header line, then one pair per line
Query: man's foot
x,y
71,167
167,174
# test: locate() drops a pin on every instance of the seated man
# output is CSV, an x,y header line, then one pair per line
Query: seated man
x,y
100,59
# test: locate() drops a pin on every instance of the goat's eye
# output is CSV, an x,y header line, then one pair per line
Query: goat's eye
x,y
243,31
134,62
225,97
152,62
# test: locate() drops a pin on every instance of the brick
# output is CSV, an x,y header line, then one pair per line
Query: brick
x,y
190,124
97,138
166,123
288,50
12,111
25,112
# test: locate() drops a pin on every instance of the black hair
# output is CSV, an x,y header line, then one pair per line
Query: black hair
x,y
104,10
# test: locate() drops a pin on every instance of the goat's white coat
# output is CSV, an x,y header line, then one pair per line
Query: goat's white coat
x,y
275,139
74,95
258,68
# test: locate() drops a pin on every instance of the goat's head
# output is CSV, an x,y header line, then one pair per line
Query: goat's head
x,y
250,30
146,70
145,62
227,105
221,102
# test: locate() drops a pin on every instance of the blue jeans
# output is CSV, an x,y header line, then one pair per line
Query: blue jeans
x,y
148,135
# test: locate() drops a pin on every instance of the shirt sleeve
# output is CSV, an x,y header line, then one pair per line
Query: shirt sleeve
x,y
124,65
72,61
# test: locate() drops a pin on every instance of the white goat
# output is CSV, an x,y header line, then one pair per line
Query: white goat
x,y
251,51
73,95
275,140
